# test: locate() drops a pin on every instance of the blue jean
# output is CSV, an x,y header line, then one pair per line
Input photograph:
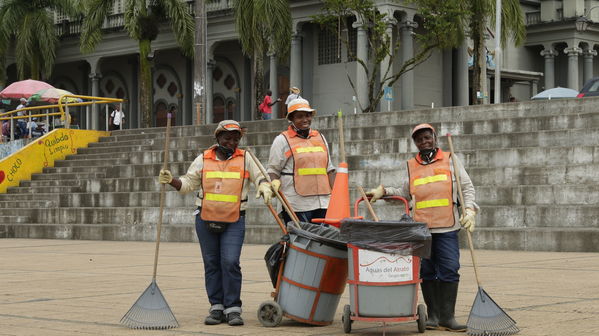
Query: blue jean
x,y
222,272
444,262
266,116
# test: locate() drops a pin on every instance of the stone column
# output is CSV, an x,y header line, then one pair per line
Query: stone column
x,y
295,62
461,82
95,114
362,54
274,84
549,55
588,55
407,52
209,99
386,65
573,54
534,87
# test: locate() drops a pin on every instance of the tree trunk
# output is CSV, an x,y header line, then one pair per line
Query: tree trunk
x,y
145,80
258,81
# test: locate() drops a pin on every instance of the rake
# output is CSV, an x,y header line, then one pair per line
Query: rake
x,y
486,317
151,311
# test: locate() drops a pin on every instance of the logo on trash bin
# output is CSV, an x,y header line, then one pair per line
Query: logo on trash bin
x,y
384,267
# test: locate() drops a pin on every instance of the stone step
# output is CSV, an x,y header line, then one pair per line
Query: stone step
x,y
66,176
51,183
169,233
536,239
390,131
27,204
59,190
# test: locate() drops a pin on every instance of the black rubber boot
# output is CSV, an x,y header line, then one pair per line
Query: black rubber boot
x,y
430,293
448,293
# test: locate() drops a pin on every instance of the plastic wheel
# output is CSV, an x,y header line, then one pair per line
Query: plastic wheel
x,y
270,314
421,318
346,319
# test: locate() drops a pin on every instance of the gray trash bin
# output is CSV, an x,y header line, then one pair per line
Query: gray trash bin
x,y
314,274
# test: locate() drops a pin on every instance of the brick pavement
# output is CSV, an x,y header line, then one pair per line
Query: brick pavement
x,y
67,287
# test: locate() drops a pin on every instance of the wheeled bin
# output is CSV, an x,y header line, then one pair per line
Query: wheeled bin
x,y
384,270
313,277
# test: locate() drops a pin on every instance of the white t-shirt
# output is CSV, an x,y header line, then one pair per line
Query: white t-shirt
x,y
291,97
117,117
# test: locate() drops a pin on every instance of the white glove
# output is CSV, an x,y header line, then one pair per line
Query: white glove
x,y
376,193
265,190
468,219
165,176
276,184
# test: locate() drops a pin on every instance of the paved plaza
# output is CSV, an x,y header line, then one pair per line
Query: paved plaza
x,y
77,287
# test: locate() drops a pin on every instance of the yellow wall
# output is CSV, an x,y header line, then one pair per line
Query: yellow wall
x,y
41,153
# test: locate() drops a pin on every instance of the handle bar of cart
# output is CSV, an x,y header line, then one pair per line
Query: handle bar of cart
x,y
405,201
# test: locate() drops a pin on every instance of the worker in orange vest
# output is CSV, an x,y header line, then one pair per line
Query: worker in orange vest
x,y
222,173
300,164
431,188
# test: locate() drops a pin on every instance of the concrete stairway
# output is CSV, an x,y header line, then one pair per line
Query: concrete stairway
x,y
534,166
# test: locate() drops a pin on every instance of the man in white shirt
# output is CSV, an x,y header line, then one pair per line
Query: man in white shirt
x,y
22,123
117,118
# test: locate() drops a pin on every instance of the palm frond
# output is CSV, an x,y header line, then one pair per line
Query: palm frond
x,y
512,22
46,41
91,30
133,10
182,24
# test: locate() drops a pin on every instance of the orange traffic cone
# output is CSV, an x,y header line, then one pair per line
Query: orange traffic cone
x,y
339,203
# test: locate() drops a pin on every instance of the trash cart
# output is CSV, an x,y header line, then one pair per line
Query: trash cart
x,y
310,277
384,269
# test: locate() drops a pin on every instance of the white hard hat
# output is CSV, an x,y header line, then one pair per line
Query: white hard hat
x,y
299,104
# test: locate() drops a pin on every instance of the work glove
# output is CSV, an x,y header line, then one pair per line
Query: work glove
x,y
165,176
468,219
276,184
376,193
265,189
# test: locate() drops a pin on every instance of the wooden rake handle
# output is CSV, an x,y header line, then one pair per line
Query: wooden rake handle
x,y
368,205
463,206
162,193
280,197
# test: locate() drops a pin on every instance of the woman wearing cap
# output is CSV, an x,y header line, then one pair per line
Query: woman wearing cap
x,y
222,174
294,93
431,186
300,164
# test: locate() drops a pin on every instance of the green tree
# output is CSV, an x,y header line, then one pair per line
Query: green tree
x,y
142,19
27,26
512,26
443,28
263,26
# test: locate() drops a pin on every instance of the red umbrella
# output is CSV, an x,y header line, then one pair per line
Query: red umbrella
x,y
23,89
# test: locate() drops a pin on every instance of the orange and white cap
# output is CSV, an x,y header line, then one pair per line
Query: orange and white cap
x,y
299,104
421,127
228,125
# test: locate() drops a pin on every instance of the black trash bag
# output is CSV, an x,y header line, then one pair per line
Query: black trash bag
x,y
274,257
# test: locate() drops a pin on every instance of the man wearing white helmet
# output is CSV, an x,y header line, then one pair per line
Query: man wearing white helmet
x,y
300,164
222,174
432,190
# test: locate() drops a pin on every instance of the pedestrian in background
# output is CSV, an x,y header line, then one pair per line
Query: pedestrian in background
x,y
432,190
300,164
22,123
222,174
294,93
117,118
266,106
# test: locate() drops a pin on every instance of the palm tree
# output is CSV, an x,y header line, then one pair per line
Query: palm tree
x,y
28,27
481,12
263,25
141,22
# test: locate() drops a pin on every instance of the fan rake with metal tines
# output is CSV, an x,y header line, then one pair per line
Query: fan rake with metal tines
x,y
151,311
486,317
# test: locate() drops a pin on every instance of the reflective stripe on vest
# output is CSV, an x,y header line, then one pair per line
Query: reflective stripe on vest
x,y
222,185
312,171
310,162
431,188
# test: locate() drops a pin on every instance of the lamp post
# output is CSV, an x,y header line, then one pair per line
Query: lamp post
x,y
582,23
497,98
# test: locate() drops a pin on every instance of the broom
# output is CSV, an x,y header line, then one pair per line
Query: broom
x,y
151,311
486,317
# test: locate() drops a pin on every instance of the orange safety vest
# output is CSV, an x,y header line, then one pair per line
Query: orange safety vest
x,y
222,183
431,188
310,162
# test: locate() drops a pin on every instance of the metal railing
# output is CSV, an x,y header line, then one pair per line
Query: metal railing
x,y
533,18
49,112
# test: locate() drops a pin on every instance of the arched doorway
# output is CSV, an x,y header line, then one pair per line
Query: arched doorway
x,y
218,108
161,109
